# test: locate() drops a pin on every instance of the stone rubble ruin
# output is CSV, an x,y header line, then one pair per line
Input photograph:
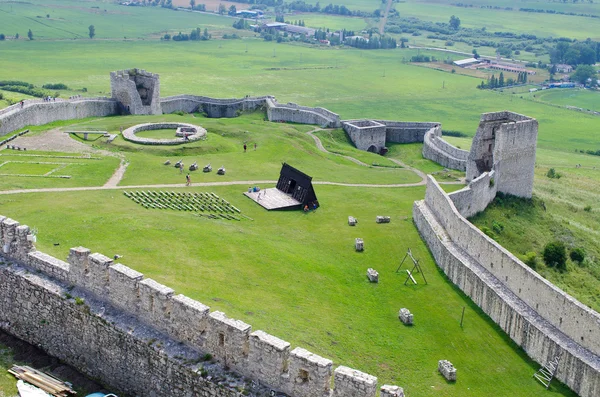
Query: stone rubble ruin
x,y
373,275
405,316
352,221
382,219
447,370
359,244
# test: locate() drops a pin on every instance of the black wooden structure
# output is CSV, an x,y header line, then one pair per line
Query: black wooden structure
x,y
298,185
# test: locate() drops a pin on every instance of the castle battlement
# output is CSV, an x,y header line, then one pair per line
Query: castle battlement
x,y
232,343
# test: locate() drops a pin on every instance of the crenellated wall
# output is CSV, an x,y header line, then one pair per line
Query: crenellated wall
x,y
537,315
139,337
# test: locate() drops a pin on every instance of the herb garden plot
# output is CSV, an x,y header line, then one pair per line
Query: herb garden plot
x,y
207,205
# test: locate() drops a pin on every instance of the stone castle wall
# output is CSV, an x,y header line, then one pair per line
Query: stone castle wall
x,y
406,131
476,196
212,107
366,134
39,112
301,114
505,142
137,91
437,149
537,315
139,337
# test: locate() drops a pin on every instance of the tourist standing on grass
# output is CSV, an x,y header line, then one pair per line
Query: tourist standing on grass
x,y
181,167
245,147
254,146
188,180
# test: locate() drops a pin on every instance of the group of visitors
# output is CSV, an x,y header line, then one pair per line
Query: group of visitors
x,y
49,99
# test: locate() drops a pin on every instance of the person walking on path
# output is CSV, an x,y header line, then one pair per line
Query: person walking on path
x,y
188,180
181,167
245,147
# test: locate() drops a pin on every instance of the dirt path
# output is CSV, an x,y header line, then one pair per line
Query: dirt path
x,y
115,179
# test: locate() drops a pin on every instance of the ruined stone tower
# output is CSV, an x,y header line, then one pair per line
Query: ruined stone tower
x,y
505,142
137,91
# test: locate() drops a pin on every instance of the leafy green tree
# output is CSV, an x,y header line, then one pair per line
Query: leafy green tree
x,y
2,37
92,31
232,10
583,73
192,4
454,22
222,9
30,34
555,255
16,36
501,80
577,255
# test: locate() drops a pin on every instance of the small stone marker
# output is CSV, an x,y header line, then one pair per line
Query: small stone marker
x,y
221,171
372,275
447,370
359,244
352,221
391,391
207,168
382,219
167,162
405,316
194,166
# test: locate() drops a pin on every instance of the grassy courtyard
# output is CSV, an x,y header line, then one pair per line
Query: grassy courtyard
x,y
325,303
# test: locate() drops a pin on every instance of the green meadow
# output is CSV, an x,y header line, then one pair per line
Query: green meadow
x,y
580,98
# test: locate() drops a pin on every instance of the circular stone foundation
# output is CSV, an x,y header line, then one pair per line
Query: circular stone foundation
x,y
183,130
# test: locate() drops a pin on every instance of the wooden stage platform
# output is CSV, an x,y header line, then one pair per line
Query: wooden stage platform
x,y
274,199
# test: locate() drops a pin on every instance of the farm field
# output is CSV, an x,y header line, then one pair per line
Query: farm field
x,y
584,99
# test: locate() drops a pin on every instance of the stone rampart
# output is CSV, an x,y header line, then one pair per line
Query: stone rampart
x,y
437,149
212,107
366,134
505,142
140,338
476,196
300,114
538,316
406,131
136,90
42,112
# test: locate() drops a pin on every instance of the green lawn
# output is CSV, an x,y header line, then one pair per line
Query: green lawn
x,y
81,171
297,276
